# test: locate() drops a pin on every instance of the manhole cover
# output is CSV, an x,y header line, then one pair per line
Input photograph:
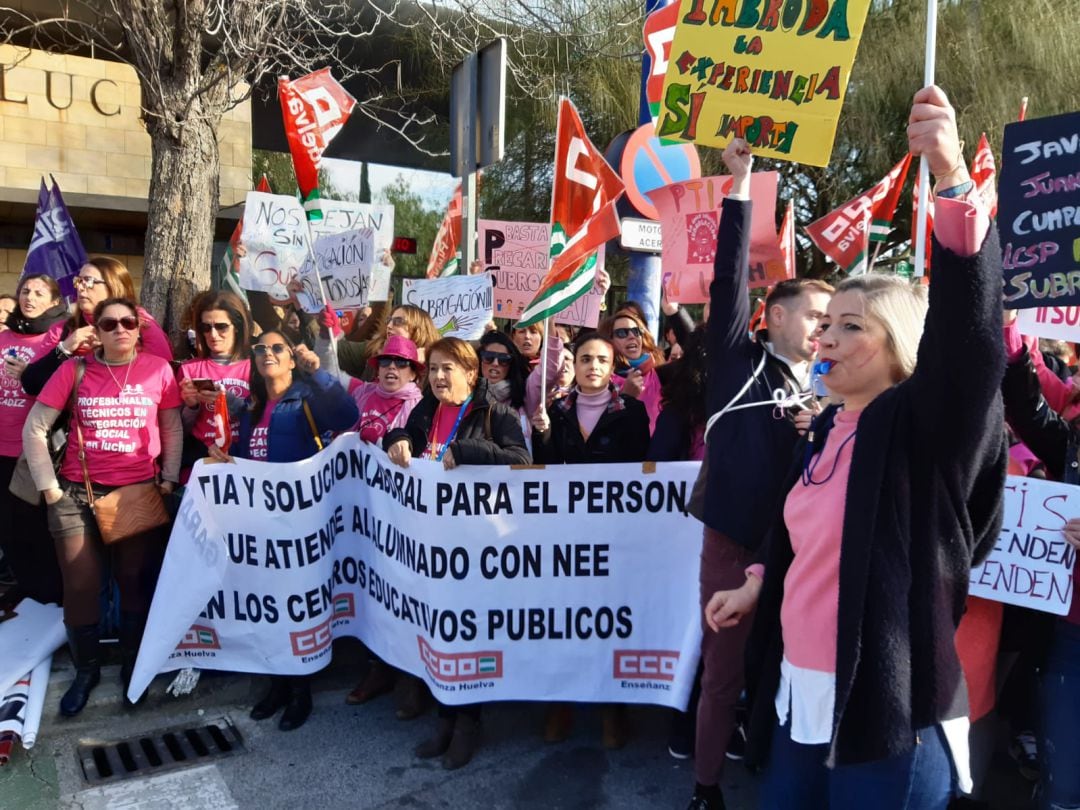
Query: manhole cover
x,y
158,751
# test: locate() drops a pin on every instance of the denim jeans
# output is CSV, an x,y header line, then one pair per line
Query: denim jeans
x,y
796,777
1059,704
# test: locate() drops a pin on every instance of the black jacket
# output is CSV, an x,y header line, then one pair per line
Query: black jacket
x,y
489,434
621,434
748,450
1055,441
924,501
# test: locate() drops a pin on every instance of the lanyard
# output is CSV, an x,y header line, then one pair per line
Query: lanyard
x,y
453,430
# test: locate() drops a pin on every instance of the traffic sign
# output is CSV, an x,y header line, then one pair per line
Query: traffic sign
x,y
640,234
647,164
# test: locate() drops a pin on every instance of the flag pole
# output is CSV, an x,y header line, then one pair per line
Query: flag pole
x,y
543,368
929,70
1023,109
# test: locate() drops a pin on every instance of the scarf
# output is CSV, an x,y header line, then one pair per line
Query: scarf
x,y
22,325
500,391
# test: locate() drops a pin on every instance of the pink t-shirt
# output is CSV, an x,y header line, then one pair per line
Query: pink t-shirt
x,y
117,409
15,403
259,442
814,516
442,428
234,376
381,412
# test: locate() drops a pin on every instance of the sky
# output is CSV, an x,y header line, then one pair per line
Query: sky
x,y
434,188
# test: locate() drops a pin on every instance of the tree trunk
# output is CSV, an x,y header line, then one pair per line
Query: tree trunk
x,y
183,208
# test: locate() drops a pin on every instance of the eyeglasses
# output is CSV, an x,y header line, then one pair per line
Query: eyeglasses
x,y
259,349
396,362
221,327
397,320
501,358
89,282
623,332
129,323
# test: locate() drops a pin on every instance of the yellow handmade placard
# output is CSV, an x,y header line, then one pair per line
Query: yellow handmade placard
x,y
771,71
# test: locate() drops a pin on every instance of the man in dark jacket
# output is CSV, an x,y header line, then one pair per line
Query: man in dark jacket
x,y
753,387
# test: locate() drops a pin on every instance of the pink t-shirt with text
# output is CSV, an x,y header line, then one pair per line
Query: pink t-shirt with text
x,y
117,410
234,376
259,441
15,403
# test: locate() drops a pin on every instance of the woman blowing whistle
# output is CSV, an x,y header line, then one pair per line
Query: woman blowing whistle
x,y
860,700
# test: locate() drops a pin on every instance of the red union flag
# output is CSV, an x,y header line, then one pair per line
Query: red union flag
x,y
983,174
444,260
787,240
583,217
315,108
844,235
659,33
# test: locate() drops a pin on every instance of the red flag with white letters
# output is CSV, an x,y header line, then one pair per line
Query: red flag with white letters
x,y
583,217
844,235
315,108
984,174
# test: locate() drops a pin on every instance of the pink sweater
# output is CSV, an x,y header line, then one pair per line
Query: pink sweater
x,y
814,516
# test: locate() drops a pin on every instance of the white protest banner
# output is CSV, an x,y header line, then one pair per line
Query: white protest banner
x,y
276,246
490,583
460,306
1055,323
518,254
344,262
22,704
33,635
1032,564
339,216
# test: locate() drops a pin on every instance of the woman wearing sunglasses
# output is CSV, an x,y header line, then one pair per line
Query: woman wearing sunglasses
x,y
407,321
128,412
457,422
636,359
222,335
292,404
34,330
100,278
506,371
593,424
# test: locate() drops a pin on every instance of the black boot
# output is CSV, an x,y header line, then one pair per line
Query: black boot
x,y
706,797
464,743
86,653
274,699
298,706
131,633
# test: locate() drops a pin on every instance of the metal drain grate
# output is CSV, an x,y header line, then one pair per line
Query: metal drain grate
x,y
158,751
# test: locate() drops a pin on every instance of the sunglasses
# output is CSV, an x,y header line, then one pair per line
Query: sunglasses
x,y
396,362
129,323
501,358
220,327
259,349
397,320
622,333
89,282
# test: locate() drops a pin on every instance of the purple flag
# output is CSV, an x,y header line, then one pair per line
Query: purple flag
x,y
55,248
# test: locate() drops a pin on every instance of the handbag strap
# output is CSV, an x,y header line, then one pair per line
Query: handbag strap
x,y
314,429
80,370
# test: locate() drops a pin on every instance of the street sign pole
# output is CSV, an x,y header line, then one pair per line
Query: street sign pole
x,y
477,122
643,280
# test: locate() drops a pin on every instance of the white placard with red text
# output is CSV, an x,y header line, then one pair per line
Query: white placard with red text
x,y
1056,323
1032,564
489,583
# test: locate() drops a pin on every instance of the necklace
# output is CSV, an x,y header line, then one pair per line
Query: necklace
x,y
812,463
120,388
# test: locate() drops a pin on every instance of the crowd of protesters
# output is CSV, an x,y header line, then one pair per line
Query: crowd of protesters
x,y
852,468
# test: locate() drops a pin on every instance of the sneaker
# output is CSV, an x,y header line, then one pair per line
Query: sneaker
x,y
681,736
1025,752
736,747
706,798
